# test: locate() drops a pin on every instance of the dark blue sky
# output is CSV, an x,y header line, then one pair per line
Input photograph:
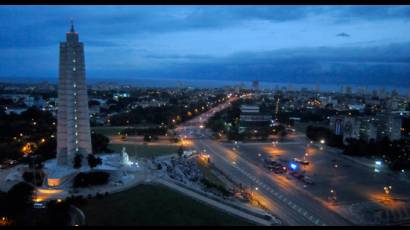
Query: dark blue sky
x,y
331,44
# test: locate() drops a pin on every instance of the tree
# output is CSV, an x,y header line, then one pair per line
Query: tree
x,y
57,214
20,198
147,138
77,161
99,143
90,179
180,151
93,161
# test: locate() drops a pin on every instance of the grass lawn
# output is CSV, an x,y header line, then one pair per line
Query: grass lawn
x,y
209,175
141,150
154,205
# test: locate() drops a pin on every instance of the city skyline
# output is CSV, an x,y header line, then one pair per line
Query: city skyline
x,y
300,44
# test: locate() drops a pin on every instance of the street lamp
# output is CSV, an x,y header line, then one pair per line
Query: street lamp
x,y
387,190
322,141
332,195
377,166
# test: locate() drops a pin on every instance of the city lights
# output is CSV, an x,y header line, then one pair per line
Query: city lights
x,y
324,154
293,166
322,141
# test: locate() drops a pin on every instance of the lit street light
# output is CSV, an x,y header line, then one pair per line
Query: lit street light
x,y
322,141
333,196
387,190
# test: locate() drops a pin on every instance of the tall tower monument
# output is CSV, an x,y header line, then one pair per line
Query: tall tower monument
x,y
73,120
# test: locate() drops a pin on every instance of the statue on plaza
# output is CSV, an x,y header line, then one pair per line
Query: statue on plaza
x,y
124,157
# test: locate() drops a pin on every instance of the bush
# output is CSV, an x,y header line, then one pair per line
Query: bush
x,y
99,196
28,177
90,179
99,143
77,200
221,189
318,133
77,161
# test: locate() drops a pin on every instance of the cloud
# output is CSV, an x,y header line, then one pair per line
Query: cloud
x,y
191,57
343,34
43,22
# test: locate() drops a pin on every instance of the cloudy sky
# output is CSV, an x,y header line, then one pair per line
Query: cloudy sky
x,y
334,44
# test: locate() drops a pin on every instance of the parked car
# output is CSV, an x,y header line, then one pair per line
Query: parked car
x,y
308,180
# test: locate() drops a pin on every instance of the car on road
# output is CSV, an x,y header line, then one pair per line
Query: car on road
x,y
297,175
267,216
304,162
307,180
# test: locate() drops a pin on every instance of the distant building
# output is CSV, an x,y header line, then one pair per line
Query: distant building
x,y
255,85
388,125
14,110
117,96
345,126
359,107
348,90
252,118
367,128
37,102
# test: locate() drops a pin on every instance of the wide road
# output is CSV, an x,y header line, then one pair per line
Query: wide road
x,y
293,206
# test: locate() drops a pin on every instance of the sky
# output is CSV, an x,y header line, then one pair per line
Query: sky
x,y
300,44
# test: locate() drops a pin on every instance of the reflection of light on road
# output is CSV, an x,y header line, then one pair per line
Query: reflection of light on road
x,y
310,150
259,199
273,150
231,155
187,143
44,194
386,200
283,182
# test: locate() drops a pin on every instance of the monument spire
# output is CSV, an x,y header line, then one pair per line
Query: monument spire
x,y
73,120
72,26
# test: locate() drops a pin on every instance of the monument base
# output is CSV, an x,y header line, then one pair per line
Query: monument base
x,y
57,175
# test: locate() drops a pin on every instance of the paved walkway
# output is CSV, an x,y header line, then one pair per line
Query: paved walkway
x,y
214,203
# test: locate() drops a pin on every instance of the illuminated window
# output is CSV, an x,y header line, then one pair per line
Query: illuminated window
x,y
74,61
75,86
74,69
76,141
76,133
76,149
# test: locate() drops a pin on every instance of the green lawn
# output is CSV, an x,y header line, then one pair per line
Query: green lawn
x,y
140,150
209,175
154,205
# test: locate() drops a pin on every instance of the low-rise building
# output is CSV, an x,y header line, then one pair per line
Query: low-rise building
x,y
252,118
